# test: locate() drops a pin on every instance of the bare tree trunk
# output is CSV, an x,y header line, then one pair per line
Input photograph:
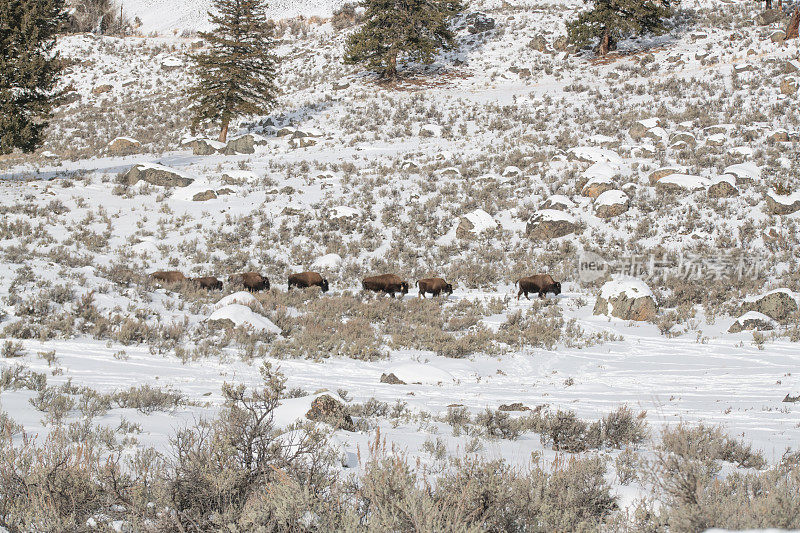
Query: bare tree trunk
x,y
780,5
792,27
223,135
768,4
391,71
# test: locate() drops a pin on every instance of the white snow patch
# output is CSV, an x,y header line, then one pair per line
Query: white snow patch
x,y
241,297
630,287
686,181
327,261
744,171
612,197
592,153
420,373
242,315
481,221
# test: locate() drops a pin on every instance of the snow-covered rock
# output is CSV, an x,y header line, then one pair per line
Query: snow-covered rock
x,y
124,146
474,223
558,201
779,204
241,297
744,172
723,186
327,261
548,224
683,182
779,304
241,315
752,320
156,174
611,203
626,298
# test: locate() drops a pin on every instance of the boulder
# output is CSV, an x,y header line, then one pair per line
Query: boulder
x,y
722,187
640,127
302,142
663,172
538,43
682,182
101,89
626,298
611,204
778,305
124,146
791,67
549,224
157,175
768,16
474,223
683,137
779,136
391,379
752,320
224,191
718,139
789,86
558,201
171,63
240,145
516,406
561,43
745,173
596,186
204,146
329,410
778,204
204,196
778,36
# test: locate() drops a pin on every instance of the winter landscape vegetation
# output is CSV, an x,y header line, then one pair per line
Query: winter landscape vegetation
x,y
168,167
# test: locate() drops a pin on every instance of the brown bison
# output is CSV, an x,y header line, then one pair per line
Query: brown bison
x,y
435,286
540,283
209,283
388,283
168,276
252,281
304,280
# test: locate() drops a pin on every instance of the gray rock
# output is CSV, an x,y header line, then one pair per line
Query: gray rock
x,y
479,23
542,228
391,379
722,189
241,145
204,196
156,175
748,322
780,208
329,410
778,306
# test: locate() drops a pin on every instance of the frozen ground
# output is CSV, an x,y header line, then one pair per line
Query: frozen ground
x,y
499,126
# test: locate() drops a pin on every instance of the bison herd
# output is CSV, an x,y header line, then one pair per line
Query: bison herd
x,y
391,284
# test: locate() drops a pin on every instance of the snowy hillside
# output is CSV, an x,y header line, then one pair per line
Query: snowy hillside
x,y
166,16
660,186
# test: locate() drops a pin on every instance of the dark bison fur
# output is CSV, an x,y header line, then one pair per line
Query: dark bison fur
x,y
252,281
435,286
539,284
388,283
304,280
168,276
209,283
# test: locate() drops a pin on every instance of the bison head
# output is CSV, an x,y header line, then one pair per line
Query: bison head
x,y
448,288
324,285
557,288
404,288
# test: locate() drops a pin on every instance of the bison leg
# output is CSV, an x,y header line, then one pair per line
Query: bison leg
x,y
437,293
519,294
542,294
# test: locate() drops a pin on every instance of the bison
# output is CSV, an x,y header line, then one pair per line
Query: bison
x,y
209,283
304,280
388,283
540,283
168,276
435,286
252,281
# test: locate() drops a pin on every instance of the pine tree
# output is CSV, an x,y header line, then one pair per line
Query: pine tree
x,y
236,75
613,20
29,70
414,30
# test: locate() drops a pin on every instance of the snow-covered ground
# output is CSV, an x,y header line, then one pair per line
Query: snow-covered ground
x,y
496,135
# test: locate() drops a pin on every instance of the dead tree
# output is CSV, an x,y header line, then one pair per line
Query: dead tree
x,y
791,27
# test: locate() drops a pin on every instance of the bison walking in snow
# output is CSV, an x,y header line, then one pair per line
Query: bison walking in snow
x,y
388,283
168,276
435,286
540,283
304,280
252,281
209,283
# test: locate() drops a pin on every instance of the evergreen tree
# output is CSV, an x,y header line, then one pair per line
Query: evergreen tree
x,y
393,29
612,20
29,70
236,75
